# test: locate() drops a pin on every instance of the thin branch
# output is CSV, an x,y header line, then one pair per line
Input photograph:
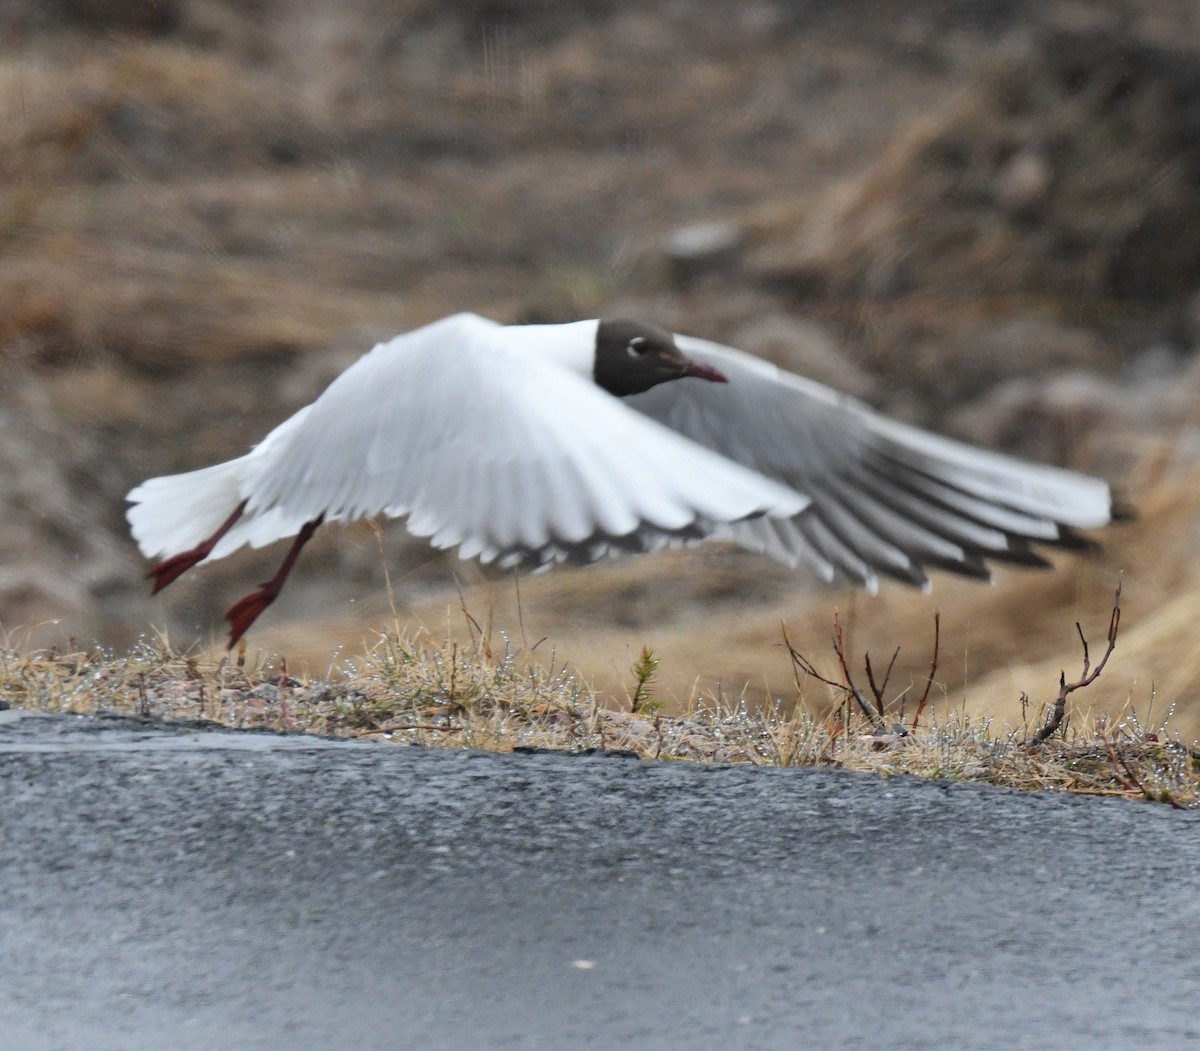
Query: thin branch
x,y
285,718
473,625
871,682
839,647
847,686
1088,675
880,690
1129,778
521,612
398,727
937,638
887,675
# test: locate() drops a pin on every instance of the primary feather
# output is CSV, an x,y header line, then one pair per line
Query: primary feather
x,y
886,497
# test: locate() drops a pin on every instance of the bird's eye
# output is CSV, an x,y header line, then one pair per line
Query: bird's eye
x,y
637,347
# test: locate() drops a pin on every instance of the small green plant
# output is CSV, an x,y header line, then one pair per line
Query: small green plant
x,y
644,702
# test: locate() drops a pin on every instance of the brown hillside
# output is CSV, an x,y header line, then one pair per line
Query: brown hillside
x,y
979,216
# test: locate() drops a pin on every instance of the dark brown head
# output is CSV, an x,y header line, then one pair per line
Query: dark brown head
x,y
632,356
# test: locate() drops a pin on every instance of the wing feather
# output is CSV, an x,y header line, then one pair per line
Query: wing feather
x,y
886,497
510,456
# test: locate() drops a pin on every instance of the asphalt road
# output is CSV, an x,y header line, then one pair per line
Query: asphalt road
x,y
174,890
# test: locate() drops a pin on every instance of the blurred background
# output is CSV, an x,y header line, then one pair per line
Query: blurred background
x,y
983,217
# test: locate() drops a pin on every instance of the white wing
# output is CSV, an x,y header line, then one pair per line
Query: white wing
x,y
886,497
507,455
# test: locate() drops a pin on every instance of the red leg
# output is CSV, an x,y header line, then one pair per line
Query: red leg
x,y
247,610
177,565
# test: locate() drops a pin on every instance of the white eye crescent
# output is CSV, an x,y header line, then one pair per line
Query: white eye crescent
x,y
637,347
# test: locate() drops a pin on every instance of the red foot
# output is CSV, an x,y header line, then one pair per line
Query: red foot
x,y
247,610
172,568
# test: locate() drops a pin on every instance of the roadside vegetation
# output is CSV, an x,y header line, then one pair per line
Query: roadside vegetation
x,y
413,689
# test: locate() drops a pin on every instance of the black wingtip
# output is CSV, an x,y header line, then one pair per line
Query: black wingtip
x,y
970,565
1122,509
1070,540
1019,553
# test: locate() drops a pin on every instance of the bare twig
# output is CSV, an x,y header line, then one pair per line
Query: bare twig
x,y
398,727
937,638
473,626
1127,777
383,561
520,611
285,719
1130,779
887,675
839,647
881,689
1087,676
877,713
847,686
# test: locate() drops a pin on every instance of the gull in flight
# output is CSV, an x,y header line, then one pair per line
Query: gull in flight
x,y
528,445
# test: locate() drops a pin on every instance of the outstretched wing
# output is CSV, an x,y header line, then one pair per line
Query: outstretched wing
x,y
508,456
886,497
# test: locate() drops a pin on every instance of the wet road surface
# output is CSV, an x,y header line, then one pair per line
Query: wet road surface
x,y
176,890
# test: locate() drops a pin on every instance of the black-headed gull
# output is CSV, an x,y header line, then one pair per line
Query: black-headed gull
x,y
536,444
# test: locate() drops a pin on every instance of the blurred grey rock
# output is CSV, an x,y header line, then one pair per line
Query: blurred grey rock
x,y
1042,418
1022,183
1107,426
1159,361
694,250
1028,347
806,348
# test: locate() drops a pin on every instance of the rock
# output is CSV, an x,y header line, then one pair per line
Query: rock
x,y
1022,183
1159,361
1043,418
1027,347
1110,427
806,348
694,250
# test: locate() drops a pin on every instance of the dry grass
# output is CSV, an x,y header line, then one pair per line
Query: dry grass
x,y
491,695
